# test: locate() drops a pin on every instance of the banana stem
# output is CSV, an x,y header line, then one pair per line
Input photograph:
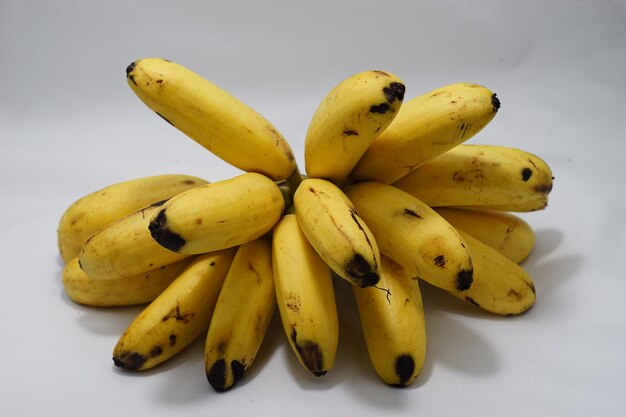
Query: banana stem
x,y
288,187
294,180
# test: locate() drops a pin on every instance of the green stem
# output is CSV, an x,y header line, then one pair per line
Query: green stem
x,y
288,187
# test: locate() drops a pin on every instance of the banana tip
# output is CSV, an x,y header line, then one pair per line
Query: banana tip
x,y
129,72
495,102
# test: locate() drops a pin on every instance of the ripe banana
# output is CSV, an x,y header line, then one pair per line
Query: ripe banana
x,y
347,121
505,232
414,235
242,314
485,176
138,289
176,317
125,248
305,296
393,324
212,117
219,215
500,285
333,227
425,127
94,211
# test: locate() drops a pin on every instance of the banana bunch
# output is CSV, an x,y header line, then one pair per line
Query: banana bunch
x,y
392,198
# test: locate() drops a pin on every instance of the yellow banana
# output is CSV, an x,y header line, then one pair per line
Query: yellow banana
x,y
346,122
426,127
414,235
212,117
176,317
485,176
242,314
125,248
305,297
138,289
393,325
94,211
505,232
333,227
500,285
218,215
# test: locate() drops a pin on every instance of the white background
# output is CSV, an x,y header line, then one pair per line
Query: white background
x,y
69,125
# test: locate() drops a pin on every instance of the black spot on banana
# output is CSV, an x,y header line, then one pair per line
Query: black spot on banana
x,y
395,91
217,375
405,366
163,235
464,279
381,108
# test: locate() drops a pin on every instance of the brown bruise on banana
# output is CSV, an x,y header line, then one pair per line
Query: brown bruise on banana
x,y
404,369
309,353
461,131
177,315
160,232
280,142
292,301
217,374
464,278
411,213
544,189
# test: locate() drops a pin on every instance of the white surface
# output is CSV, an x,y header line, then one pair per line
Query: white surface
x,y
70,125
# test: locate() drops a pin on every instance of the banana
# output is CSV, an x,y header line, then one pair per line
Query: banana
x,y
138,289
212,117
125,248
176,317
425,127
487,176
414,235
333,227
346,122
94,211
505,232
242,314
218,215
393,324
305,297
500,285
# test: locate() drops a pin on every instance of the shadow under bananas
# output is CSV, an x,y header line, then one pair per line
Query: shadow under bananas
x,y
106,321
550,273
